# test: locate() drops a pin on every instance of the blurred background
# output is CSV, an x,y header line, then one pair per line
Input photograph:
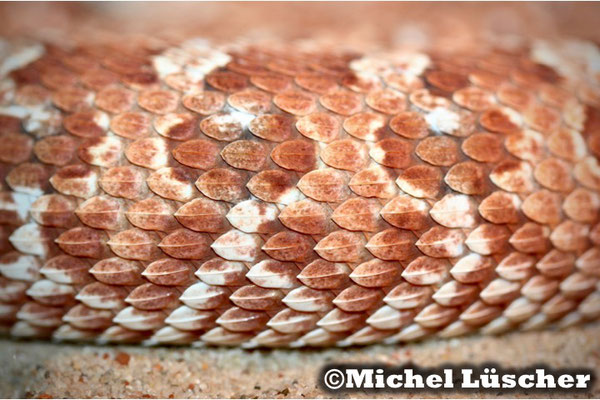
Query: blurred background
x,y
357,22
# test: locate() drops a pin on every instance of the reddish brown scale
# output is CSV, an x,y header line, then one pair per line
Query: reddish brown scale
x,y
324,185
115,99
554,174
296,155
272,127
515,97
55,150
441,242
251,101
530,238
86,124
366,126
222,127
404,82
101,212
582,205
421,181
438,150
186,244
158,101
83,317
227,81
41,315
16,148
539,288
245,154
436,316
516,266
83,242
204,103
222,184
140,80
203,215
153,297
386,101
131,125
28,178
543,119
315,82
488,239
72,99
252,297
392,244
392,153
543,207
66,269
75,180
556,264
135,244
290,321
513,176
98,78
12,292
172,183
341,246
270,82
479,314
445,80
295,102
410,125
425,100
221,272
473,98
319,126
239,320
361,83
272,186
152,153
321,274
496,120
152,214
454,293
197,153
9,214
289,246
102,152
341,102
500,208
180,82
176,126
9,124
357,214
345,154
373,182
570,236
406,212
32,95
126,182
567,144
54,210
376,273
426,271
247,67
356,298
483,147
466,177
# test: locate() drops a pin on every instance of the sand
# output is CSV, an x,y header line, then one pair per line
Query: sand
x,y
37,369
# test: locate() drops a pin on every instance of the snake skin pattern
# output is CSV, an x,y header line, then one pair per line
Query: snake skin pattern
x,y
295,194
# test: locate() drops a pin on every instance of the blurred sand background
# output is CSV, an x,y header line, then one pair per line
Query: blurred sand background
x,y
37,369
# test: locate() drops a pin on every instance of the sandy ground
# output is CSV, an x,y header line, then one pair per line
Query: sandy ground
x,y
35,369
